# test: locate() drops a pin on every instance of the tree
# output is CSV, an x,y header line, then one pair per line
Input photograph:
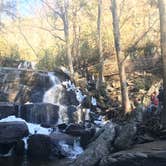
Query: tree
x,y
120,58
162,12
100,79
61,11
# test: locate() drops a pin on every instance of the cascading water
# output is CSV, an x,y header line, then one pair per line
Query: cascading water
x,y
54,95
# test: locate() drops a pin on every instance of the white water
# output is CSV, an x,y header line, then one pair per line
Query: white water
x,y
72,151
54,95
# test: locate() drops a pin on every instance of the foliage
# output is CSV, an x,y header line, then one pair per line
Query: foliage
x,y
47,60
42,31
147,50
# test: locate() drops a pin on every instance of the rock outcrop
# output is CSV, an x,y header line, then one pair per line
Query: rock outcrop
x,y
12,131
39,146
98,148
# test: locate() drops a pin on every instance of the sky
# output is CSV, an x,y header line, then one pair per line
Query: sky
x,y
28,7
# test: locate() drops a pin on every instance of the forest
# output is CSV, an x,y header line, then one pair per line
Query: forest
x,y
83,82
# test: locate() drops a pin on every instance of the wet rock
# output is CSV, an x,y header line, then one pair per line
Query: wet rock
x,y
57,137
6,148
124,136
70,98
58,140
71,110
62,126
7,109
74,130
99,148
12,131
19,148
86,103
86,137
61,74
39,146
44,113
21,85
124,159
144,139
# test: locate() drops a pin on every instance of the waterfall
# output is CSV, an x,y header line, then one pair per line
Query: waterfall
x,y
54,95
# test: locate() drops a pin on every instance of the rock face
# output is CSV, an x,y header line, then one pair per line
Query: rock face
x,y
21,85
17,85
124,136
12,131
41,113
7,109
56,140
74,130
97,149
148,154
57,137
39,146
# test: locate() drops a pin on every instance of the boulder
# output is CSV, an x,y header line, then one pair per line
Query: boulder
x,y
86,137
71,111
148,154
62,126
69,98
19,148
6,148
39,146
57,137
12,131
124,159
58,142
99,148
124,136
7,109
75,130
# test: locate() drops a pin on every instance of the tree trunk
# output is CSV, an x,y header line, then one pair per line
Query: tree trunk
x,y
66,32
100,47
120,58
162,11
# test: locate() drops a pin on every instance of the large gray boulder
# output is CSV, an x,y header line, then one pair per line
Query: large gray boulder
x,y
57,137
148,154
124,136
39,146
98,148
12,131
124,159
57,142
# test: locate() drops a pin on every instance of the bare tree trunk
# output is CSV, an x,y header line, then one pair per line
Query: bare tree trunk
x,y
162,11
120,58
66,32
100,47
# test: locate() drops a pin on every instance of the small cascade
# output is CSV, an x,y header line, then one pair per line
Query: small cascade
x,y
54,95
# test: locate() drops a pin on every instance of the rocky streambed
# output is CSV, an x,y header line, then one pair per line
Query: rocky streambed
x,y
46,120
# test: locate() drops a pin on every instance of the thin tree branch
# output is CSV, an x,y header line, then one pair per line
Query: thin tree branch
x,y
141,37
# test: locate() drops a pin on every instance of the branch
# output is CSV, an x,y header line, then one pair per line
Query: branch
x,y
141,37
25,38
56,12
144,34
48,30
